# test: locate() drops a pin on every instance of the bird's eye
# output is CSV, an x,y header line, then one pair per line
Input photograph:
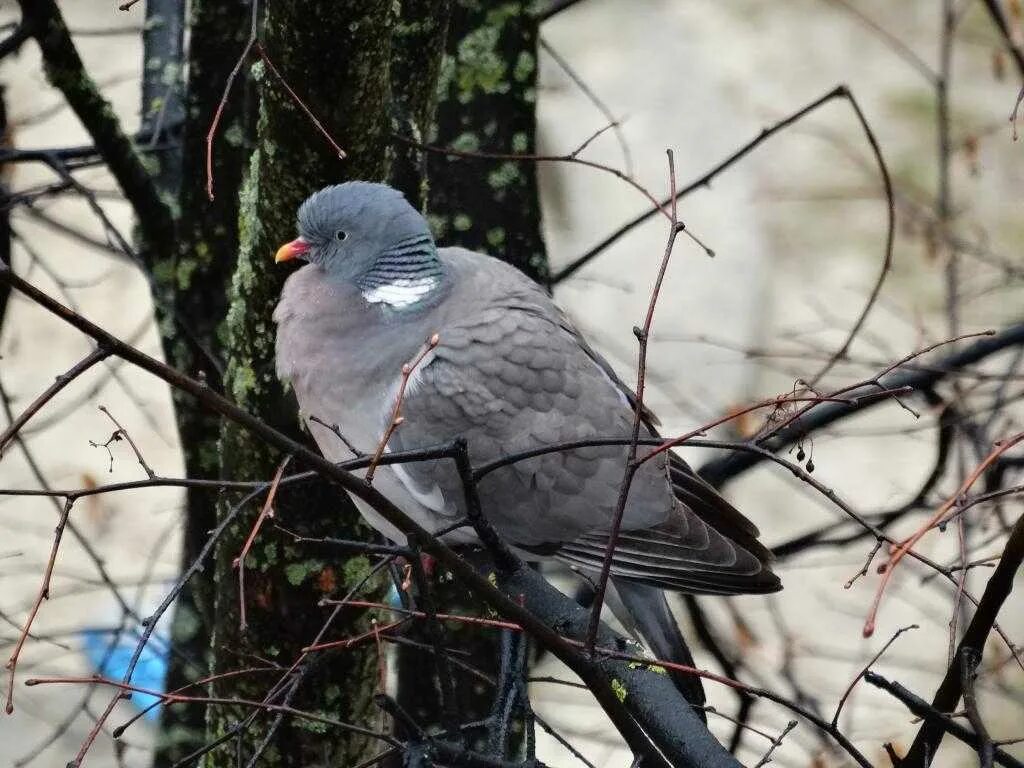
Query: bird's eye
x,y
341,235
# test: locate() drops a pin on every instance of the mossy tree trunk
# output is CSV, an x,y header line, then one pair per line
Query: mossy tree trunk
x,y
196,279
365,73
418,50
338,58
486,102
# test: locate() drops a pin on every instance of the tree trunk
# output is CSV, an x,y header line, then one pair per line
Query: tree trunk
x,y
418,50
197,283
487,102
337,58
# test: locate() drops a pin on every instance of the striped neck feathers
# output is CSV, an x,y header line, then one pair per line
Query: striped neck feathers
x,y
404,274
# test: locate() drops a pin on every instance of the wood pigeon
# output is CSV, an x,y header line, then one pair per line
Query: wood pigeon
x,y
510,373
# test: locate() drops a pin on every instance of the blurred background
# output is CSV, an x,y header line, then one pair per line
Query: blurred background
x,y
798,228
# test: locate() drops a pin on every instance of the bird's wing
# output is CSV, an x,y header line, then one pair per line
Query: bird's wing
x,y
511,375
508,378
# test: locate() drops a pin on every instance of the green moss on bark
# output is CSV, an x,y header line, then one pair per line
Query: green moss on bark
x,y
194,279
336,56
486,98
418,48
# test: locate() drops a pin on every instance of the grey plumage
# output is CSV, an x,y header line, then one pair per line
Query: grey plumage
x,y
510,373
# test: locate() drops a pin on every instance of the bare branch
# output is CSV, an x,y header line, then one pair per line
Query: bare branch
x,y
66,72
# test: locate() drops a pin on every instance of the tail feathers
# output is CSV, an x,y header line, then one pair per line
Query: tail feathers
x,y
644,611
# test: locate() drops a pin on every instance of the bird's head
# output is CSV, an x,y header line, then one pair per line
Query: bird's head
x,y
347,227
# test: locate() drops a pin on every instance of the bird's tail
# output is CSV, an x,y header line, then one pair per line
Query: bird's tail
x,y
644,611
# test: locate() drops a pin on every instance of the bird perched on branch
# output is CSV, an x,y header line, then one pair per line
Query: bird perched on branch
x,y
508,372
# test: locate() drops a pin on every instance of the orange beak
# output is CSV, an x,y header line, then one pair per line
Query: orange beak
x,y
292,250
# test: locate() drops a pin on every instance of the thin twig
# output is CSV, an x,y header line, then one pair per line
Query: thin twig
x,y
776,743
935,719
43,18
998,589
97,355
253,27
614,122
43,594
968,676
631,467
868,666
135,449
839,92
239,562
623,713
940,514
396,412
300,103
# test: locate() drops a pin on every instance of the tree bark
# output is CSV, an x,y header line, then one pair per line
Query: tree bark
x,y
487,102
417,52
196,280
337,58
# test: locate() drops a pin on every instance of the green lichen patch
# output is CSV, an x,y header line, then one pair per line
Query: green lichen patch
x,y
297,573
505,175
619,690
356,569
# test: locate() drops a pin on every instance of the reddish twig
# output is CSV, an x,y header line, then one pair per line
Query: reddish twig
x,y
239,562
628,715
253,26
476,620
44,594
135,449
253,44
997,590
657,666
396,412
119,730
632,465
299,102
350,642
886,569
174,698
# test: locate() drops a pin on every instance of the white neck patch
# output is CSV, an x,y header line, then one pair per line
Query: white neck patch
x,y
401,292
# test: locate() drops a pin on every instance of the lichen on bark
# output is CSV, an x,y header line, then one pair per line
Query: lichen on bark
x,y
336,57
486,102
194,278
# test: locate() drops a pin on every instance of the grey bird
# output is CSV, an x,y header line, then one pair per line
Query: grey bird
x,y
510,373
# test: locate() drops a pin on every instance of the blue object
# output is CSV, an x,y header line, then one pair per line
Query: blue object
x,y
394,598
109,653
